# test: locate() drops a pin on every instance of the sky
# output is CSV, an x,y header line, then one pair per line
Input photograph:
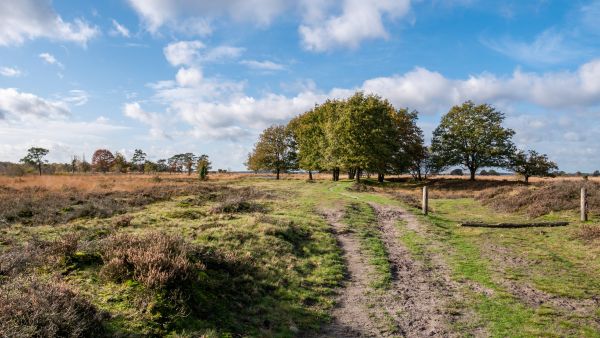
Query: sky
x,y
175,76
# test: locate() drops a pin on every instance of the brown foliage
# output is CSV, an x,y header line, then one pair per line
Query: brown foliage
x,y
589,232
33,308
36,253
36,205
156,260
538,200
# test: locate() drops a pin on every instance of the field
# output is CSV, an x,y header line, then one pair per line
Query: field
x,y
246,255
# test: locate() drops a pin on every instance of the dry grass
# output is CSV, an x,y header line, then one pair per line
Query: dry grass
x,y
30,307
543,198
39,205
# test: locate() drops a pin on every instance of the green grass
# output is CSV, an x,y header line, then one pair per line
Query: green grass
x,y
361,219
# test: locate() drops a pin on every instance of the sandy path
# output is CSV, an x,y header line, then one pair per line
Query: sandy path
x,y
350,316
419,295
415,304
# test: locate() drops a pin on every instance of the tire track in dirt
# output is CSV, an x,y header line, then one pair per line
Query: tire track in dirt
x,y
420,295
351,315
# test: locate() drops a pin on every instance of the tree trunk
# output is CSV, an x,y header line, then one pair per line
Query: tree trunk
x,y
40,169
351,174
472,170
358,173
419,175
380,177
337,174
526,178
278,173
310,175
333,174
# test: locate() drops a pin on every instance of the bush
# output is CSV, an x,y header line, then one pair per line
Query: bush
x,y
37,253
541,199
456,172
156,260
33,308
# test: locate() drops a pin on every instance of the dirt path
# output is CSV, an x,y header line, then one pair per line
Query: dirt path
x,y
421,293
350,316
415,304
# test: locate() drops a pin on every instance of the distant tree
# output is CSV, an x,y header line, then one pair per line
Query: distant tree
x,y
83,165
473,136
138,160
162,166
120,163
188,160
150,167
203,166
483,173
531,163
35,157
275,150
175,163
457,172
492,172
102,160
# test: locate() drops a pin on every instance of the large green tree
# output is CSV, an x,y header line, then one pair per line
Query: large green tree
x,y
472,135
35,157
275,150
532,163
362,134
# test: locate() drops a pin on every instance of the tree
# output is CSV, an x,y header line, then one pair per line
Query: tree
x,y
139,159
203,166
531,163
596,173
188,160
409,154
363,134
35,157
473,136
102,160
161,165
275,150
456,172
120,163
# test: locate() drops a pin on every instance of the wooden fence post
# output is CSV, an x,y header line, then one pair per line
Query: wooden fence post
x,y
584,205
425,204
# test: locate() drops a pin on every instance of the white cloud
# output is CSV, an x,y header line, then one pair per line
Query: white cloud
x,y
549,47
188,77
119,29
263,65
156,13
359,20
50,59
76,97
10,72
430,91
15,105
182,52
30,19
156,122
220,53
323,25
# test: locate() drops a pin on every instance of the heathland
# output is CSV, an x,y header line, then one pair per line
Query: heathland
x,y
247,255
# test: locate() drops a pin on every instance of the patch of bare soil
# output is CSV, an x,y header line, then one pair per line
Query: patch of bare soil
x,y
420,294
351,314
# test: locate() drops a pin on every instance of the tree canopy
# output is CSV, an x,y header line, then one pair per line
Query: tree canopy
x,y
472,136
102,160
532,163
275,150
35,157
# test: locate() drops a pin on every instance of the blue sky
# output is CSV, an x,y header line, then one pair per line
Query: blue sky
x,y
207,77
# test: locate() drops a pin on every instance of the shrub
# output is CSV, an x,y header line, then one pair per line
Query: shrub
x,y
37,253
541,199
32,308
589,232
156,260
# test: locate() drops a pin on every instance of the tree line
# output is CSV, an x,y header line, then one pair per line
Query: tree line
x,y
366,134
103,160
